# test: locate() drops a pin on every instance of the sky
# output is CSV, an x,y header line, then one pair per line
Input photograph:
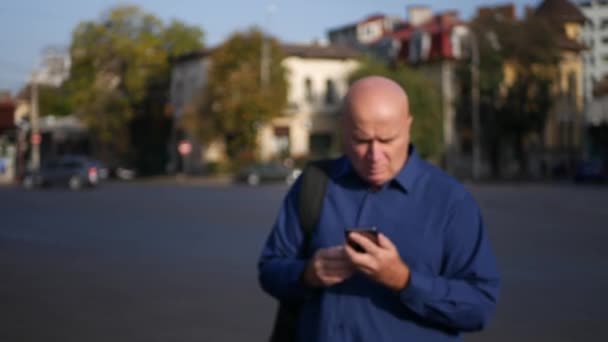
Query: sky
x,y
28,26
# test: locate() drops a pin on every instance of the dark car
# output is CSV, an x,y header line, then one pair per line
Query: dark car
x,y
267,172
76,172
590,171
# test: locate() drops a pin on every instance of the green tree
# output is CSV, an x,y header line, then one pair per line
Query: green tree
x,y
120,74
511,112
53,101
427,129
236,103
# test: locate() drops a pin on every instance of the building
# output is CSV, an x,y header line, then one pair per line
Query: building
x,y
317,77
362,34
7,138
317,80
595,37
565,126
596,138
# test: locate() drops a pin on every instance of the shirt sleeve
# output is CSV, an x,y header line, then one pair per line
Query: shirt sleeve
x,y
464,295
280,265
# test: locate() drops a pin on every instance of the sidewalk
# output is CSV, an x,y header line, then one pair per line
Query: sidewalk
x,y
188,180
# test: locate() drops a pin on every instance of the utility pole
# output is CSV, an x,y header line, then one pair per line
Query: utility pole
x,y
265,63
476,122
265,53
35,124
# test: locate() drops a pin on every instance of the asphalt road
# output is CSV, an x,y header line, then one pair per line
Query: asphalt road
x,y
172,262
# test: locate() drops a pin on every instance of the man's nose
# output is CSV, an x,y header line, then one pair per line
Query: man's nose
x,y
373,150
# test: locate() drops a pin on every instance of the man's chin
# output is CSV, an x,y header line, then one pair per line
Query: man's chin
x,y
376,180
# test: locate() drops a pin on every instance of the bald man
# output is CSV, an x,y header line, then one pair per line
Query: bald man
x,y
427,273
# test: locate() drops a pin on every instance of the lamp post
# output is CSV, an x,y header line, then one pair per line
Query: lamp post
x,y
476,121
265,53
35,124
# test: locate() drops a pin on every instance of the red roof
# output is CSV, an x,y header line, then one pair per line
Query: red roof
x,y
7,115
439,27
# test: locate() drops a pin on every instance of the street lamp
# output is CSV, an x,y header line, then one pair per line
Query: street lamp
x,y
475,106
265,57
35,124
475,95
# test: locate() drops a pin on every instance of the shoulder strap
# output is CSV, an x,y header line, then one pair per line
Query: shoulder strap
x,y
312,193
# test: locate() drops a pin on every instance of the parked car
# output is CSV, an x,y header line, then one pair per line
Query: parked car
x,y
73,171
590,171
267,172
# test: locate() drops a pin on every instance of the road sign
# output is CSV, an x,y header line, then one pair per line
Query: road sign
x,y
184,147
36,139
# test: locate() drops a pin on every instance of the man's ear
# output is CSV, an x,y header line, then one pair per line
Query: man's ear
x,y
409,120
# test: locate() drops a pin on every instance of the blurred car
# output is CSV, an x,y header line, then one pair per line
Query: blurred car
x,y
122,172
73,171
590,171
267,172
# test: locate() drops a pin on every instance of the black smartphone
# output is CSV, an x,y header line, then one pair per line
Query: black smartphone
x,y
369,232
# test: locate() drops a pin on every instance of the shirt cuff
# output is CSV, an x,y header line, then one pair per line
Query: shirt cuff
x,y
418,288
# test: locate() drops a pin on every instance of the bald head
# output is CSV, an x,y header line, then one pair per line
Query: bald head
x,y
376,123
384,94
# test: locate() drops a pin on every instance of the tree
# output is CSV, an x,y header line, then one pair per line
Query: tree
x,y
427,131
54,101
235,103
517,105
120,75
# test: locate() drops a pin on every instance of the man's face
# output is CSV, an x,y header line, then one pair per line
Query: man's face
x,y
376,140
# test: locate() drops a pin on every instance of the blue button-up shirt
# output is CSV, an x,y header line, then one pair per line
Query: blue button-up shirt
x,y
437,228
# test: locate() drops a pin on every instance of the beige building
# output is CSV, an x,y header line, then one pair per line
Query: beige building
x,y
563,134
317,77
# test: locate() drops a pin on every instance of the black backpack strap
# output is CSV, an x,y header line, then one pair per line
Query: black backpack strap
x,y
310,199
310,202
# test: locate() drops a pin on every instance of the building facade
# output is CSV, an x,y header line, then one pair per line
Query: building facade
x,y
317,78
565,126
595,37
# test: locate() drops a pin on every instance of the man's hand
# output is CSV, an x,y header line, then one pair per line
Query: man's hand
x,y
380,262
329,266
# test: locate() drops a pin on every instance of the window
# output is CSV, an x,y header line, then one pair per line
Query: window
x,y
572,87
604,24
281,141
605,39
308,90
330,92
320,145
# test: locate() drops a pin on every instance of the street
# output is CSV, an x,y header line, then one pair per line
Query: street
x,y
172,262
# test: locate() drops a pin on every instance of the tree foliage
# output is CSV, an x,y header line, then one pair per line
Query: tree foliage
x,y
235,103
120,70
513,107
427,129
53,101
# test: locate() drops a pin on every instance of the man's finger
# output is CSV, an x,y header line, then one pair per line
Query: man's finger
x,y
385,242
332,264
368,245
336,252
358,259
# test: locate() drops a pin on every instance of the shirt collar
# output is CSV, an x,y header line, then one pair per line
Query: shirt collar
x,y
405,178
